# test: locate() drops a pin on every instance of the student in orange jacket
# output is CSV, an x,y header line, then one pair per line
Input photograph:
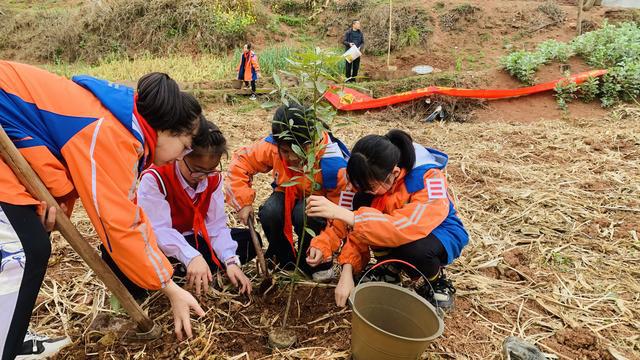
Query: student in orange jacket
x,y
249,69
85,138
402,211
284,208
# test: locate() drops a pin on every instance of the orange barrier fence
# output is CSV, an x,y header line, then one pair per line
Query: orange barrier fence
x,y
354,100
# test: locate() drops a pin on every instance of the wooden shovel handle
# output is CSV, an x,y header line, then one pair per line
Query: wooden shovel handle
x,y
38,190
256,244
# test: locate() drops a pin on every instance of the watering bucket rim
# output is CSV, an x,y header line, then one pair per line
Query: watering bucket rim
x,y
352,297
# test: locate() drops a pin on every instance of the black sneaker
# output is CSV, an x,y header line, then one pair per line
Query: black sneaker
x,y
41,347
442,295
388,274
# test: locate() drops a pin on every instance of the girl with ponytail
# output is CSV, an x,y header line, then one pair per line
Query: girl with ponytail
x,y
401,210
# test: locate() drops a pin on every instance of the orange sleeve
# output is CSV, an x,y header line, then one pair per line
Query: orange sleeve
x,y
246,162
415,220
53,174
107,189
354,252
330,239
255,62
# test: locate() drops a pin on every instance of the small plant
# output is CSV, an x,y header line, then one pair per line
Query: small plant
x,y
554,50
522,65
411,37
589,90
313,70
566,92
291,20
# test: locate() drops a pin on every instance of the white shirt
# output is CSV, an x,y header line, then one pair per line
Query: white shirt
x,y
171,241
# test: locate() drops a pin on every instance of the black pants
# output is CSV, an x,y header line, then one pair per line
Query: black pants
x,y
253,86
352,69
245,252
271,216
427,254
24,251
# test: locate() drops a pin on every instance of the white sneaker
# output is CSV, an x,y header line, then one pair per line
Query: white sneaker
x,y
41,347
324,276
252,97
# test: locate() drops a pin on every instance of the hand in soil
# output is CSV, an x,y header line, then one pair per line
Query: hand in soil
x,y
199,275
239,279
345,285
181,305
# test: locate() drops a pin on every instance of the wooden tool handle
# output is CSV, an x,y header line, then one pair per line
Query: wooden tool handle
x,y
38,190
256,244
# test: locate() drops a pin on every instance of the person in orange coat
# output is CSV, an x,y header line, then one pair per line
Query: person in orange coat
x,y
284,209
249,69
86,138
402,211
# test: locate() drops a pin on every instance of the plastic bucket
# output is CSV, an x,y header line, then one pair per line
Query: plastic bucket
x,y
391,322
237,84
352,54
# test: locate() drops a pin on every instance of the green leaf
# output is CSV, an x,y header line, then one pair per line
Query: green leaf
x,y
269,104
298,151
289,184
310,232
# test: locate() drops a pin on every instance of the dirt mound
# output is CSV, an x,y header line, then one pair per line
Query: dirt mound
x,y
125,27
583,343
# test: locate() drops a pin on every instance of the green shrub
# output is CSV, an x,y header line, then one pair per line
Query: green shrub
x,y
291,20
612,47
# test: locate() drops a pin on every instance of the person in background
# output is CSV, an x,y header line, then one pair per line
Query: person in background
x,y
353,37
184,201
249,69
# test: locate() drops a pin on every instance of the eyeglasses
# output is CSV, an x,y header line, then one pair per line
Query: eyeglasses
x,y
385,185
197,174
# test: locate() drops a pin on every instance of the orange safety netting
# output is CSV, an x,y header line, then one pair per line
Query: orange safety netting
x,y
351,99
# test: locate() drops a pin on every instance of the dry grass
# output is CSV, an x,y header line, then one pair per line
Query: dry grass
x,y
553,211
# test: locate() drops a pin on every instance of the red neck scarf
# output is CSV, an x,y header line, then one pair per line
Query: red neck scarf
x,y
150,135
290,195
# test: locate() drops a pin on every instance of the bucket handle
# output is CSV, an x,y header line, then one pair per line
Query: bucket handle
x,y
426,279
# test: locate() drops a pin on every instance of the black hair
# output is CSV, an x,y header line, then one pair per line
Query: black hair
x,y
374,156
292,125
248,45
164,106
209,140
354,21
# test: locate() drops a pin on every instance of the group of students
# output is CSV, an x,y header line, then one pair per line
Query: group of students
x,y
146,165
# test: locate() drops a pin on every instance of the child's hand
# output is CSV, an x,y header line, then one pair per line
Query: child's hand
x,y
244,214
238,278
199,274
320,206
345,285
181,305
315,257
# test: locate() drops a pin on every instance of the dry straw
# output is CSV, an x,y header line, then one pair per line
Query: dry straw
x,y
552,209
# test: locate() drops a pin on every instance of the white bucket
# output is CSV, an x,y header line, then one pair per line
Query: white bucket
x,y
352,54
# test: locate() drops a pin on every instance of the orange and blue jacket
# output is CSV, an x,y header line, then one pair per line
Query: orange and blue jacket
x,y
82,138
263,156
249,67
418,204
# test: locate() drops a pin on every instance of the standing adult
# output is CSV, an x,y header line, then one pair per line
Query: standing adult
x,y
86,138
353,37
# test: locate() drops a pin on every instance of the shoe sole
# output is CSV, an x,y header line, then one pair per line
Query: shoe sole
x,y
50,349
